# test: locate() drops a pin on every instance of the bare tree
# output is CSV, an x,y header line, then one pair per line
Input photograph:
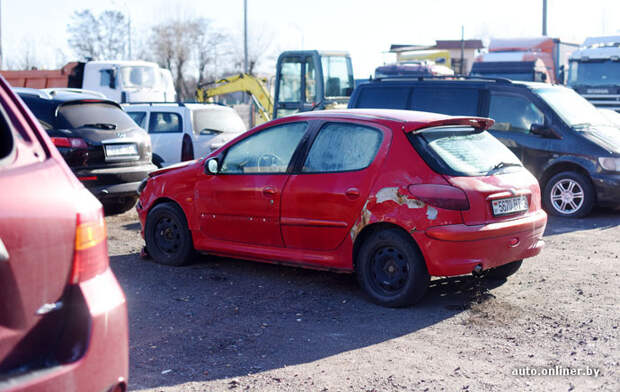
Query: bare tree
x,y
260,42
98,38
210,45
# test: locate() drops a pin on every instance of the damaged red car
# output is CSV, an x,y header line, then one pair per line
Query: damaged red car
x,y
392,196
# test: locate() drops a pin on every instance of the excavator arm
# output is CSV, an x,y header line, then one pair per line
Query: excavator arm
x,y
241,82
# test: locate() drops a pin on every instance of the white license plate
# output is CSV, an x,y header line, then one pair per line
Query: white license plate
x,y
509,205
121,150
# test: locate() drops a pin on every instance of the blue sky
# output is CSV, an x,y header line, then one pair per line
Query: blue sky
x,y
364,28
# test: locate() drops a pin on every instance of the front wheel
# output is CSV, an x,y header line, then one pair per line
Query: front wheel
x,y
391,269
168,239
569,194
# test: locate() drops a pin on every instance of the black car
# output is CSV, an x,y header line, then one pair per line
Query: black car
x,y
107,151
560,137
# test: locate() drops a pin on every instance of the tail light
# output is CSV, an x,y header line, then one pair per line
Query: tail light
x,y
69,142
187,149
90,257
442,196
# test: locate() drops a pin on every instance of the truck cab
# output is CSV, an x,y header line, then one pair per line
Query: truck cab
x,y
310,79
129,81
594,71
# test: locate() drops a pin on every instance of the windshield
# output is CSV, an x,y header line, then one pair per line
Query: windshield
x,y
140,76
217,120
337,75
594,73
571,107
465,151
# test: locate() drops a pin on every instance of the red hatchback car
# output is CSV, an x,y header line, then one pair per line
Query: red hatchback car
x,y
394,196
63,316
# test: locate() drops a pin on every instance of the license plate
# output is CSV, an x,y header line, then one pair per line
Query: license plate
x,y
120,150
509,205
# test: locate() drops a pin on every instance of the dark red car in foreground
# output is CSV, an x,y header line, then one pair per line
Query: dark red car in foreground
x,y
63,316
394,196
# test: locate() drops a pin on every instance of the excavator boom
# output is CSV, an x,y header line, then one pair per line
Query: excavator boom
x,y
241,82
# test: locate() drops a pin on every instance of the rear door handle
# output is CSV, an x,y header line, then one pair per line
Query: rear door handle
x,y
352,193
4,254
269,191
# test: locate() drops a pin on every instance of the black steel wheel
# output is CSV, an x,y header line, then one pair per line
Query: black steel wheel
x,y
391,269
168,239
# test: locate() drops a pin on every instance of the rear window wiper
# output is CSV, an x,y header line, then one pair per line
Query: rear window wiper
x,y
108,126
504,164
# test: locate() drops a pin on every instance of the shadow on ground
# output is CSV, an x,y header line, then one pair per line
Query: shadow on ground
x,y
599,219
224,318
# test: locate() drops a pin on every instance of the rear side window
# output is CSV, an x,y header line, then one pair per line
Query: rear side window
x,y
383,97
6,140
343,147
452,101
164,122
462,151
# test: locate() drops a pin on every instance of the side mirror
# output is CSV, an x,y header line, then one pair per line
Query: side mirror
x,y
542,130
112,78
212,166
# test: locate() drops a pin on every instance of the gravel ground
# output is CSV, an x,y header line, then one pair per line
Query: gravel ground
x,y
223,324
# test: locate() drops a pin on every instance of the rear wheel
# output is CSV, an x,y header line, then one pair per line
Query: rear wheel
x,y
569,194
504,271
168,239
119,206
391,269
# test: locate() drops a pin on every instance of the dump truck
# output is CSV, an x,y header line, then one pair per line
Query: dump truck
x,y
505,52
121,81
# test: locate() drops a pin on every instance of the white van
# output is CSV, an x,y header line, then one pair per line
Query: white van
x,y
182,132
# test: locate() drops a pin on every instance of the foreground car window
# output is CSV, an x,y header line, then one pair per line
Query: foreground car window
x,y
268,151
343,147
462,151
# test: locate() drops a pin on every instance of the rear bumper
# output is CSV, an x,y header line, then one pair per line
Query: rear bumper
x,y
114,182
607,188
105,362
457,249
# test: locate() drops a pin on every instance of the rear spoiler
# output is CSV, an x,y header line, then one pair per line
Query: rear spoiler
x,y
475,122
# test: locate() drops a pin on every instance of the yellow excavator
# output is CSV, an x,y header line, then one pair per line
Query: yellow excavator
x,y
305,80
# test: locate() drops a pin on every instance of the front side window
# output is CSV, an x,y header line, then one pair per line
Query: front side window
x,y
140,76
106,77
290,80
163,122
514,113
269,151
343,147
594,73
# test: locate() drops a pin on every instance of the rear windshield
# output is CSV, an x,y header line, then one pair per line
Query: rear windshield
x,y
217,120
84,114
463,151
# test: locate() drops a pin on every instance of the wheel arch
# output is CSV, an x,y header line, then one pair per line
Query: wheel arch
x,y
163,200
562,166
372,228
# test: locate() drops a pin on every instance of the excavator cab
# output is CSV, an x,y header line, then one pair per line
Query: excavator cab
x,y
310,80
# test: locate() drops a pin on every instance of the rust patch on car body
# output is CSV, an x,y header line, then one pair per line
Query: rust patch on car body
x,y
361,222
393,194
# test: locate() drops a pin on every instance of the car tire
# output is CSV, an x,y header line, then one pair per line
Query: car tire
x,y
119,206
569,194
391,270
504,271
167,236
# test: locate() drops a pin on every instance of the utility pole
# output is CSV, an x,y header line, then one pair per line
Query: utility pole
x,y
129,33
462,49
1,56
245,36
544,21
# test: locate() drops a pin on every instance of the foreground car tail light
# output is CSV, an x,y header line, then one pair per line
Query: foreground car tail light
x,y
69,142
442,196
90,256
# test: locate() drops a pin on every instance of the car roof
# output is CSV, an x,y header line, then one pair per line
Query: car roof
x,y
470,80
61,96
409,120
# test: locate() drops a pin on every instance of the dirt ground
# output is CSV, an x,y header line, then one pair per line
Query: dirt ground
x,y
222,324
